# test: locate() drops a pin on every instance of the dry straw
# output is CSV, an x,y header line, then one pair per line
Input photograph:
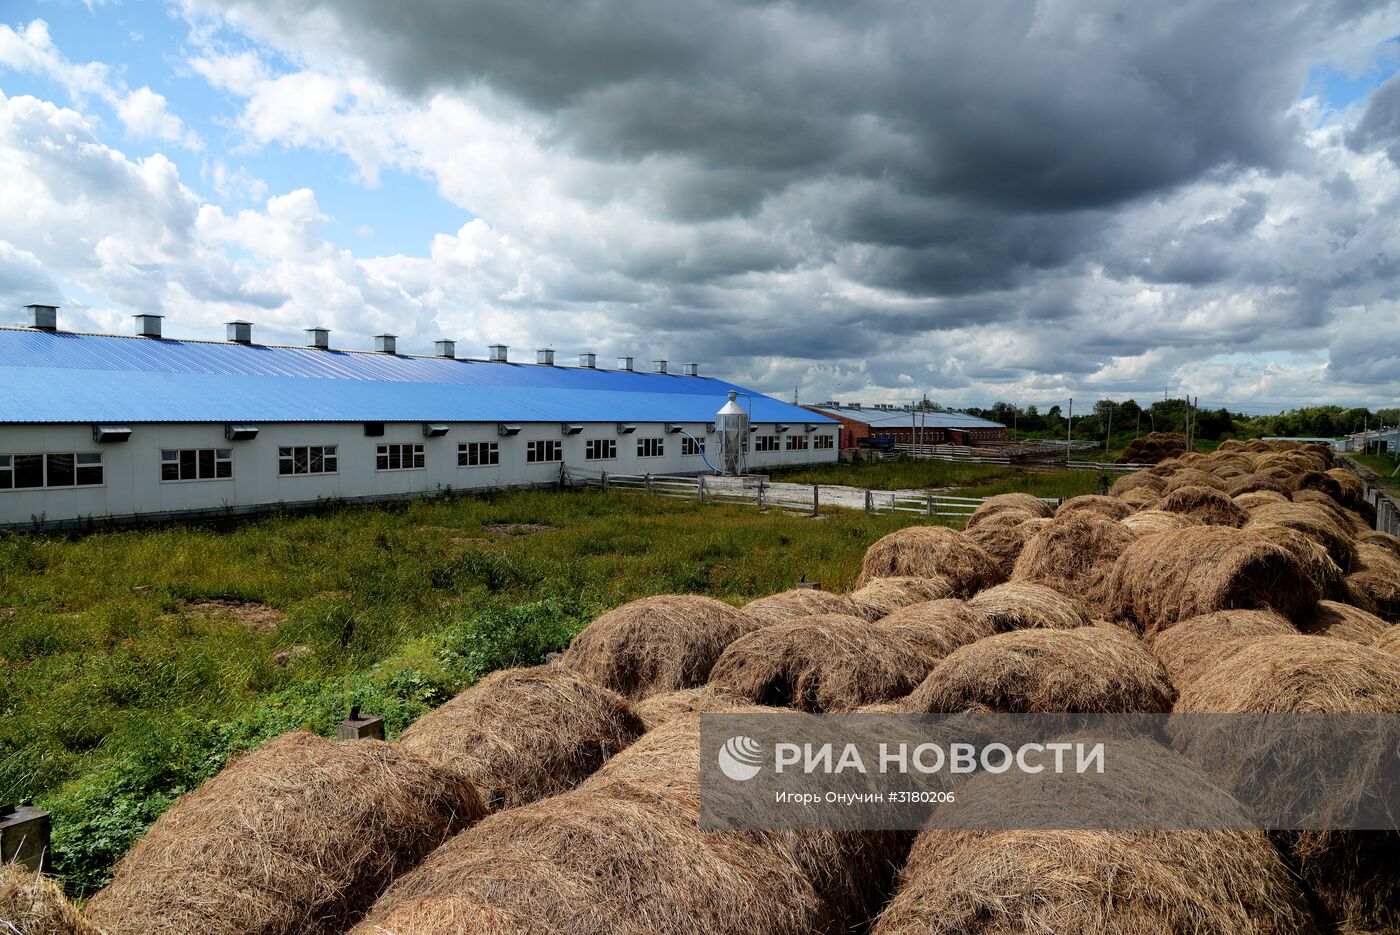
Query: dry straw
x,y
1096,883
1206,504
1150,521
1140,499
827,663
1351,873
659,709
1169,577
1004,541
931,552
1353,488
1191,477
1022,605
1084,670
1107,507
939,627
1344,622
799,602
883,596
1389,641
32,904
1138,480
1313,521
1383,540
1033,507
1074,555
1249,502
1346,518
1194,645
1311,555
1253,483
657,644
296,837
523,734
1315,480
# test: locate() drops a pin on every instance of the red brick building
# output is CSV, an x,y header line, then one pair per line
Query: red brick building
x,y
909,426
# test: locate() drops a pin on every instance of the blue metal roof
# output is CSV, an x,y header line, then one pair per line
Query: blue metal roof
x,y
901,418
69,377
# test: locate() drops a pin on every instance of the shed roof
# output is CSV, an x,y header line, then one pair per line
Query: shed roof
x,y
71,377
903,418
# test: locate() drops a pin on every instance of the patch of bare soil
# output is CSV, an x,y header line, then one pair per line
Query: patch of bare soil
x,y
516,529
254,615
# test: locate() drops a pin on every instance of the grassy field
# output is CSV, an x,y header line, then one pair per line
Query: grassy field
x,y
133,664
1382,464
963,480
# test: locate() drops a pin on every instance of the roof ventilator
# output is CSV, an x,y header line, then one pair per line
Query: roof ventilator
x,y
570,428
148,326
507,429
445,348
434,430
240,332
625,428
386,343
588,361
111,433
545,356
42,317
240,432
498,353
319,338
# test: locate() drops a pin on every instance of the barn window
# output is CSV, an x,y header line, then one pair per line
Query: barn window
x,y
544,450
600,449
398,457
478,454
66,469
307,459
196,464
650,447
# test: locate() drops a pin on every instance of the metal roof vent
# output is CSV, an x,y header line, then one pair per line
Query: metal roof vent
x,y
240,432
570,428
434,430
148,326
588,361
43,317
624,363
781,428
240,332
506,429
498,353
386,343
658,366
545,355
812,426
110,433
445,348
672,428
318,337
692,370
625,428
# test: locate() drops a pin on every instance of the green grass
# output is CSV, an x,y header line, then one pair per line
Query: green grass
x,y
116,697
1382,464
1063,484
895,475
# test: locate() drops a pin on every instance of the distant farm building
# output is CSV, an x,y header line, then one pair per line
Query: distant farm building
x,y
97,427
909,426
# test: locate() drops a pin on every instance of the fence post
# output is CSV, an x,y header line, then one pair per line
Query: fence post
x,y
930,504
605,482
700,489
869,502
758,496
647,477
816,500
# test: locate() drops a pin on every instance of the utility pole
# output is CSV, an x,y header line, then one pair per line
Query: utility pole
x,y
1069,429
1108,434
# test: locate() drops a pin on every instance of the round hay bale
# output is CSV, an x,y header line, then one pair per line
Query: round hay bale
x,y
32,904
1080,671
931,552
1389,641
1015,502
828,663
1074,555
1347,519
1138,480
1023,605
1383,540
799,602
1139,499
522,734
1352,874
1193,477
1165,578
1344,622
1167,467
656,644
1312,558
1256,499
1353,487
665,707
1377,589
1195,645
624,859
851,870
1004,541
939,627
298,836
1253,483
1312,521
1315,480
1150,521
1212,507
882,596
1095,883
1107,507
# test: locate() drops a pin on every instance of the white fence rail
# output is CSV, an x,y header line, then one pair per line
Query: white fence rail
x,y
799,498
962,453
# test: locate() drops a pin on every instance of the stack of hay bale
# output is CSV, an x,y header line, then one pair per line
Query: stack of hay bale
x,y
1153,447
566,797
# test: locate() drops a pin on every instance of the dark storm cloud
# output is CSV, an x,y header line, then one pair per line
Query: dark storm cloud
x,y
969,161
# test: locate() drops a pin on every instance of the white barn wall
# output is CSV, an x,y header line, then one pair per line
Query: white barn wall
x,y
132,469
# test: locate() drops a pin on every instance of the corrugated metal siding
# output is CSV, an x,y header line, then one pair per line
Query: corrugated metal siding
x,y
66,377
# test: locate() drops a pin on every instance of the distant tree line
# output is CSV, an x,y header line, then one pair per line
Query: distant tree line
x,y
1127,419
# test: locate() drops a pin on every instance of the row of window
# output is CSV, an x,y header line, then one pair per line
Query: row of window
x,y
84,469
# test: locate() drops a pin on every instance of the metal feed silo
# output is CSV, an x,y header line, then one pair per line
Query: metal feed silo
x,y
732,432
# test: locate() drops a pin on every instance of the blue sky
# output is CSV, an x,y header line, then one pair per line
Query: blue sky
x,y
1096,201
